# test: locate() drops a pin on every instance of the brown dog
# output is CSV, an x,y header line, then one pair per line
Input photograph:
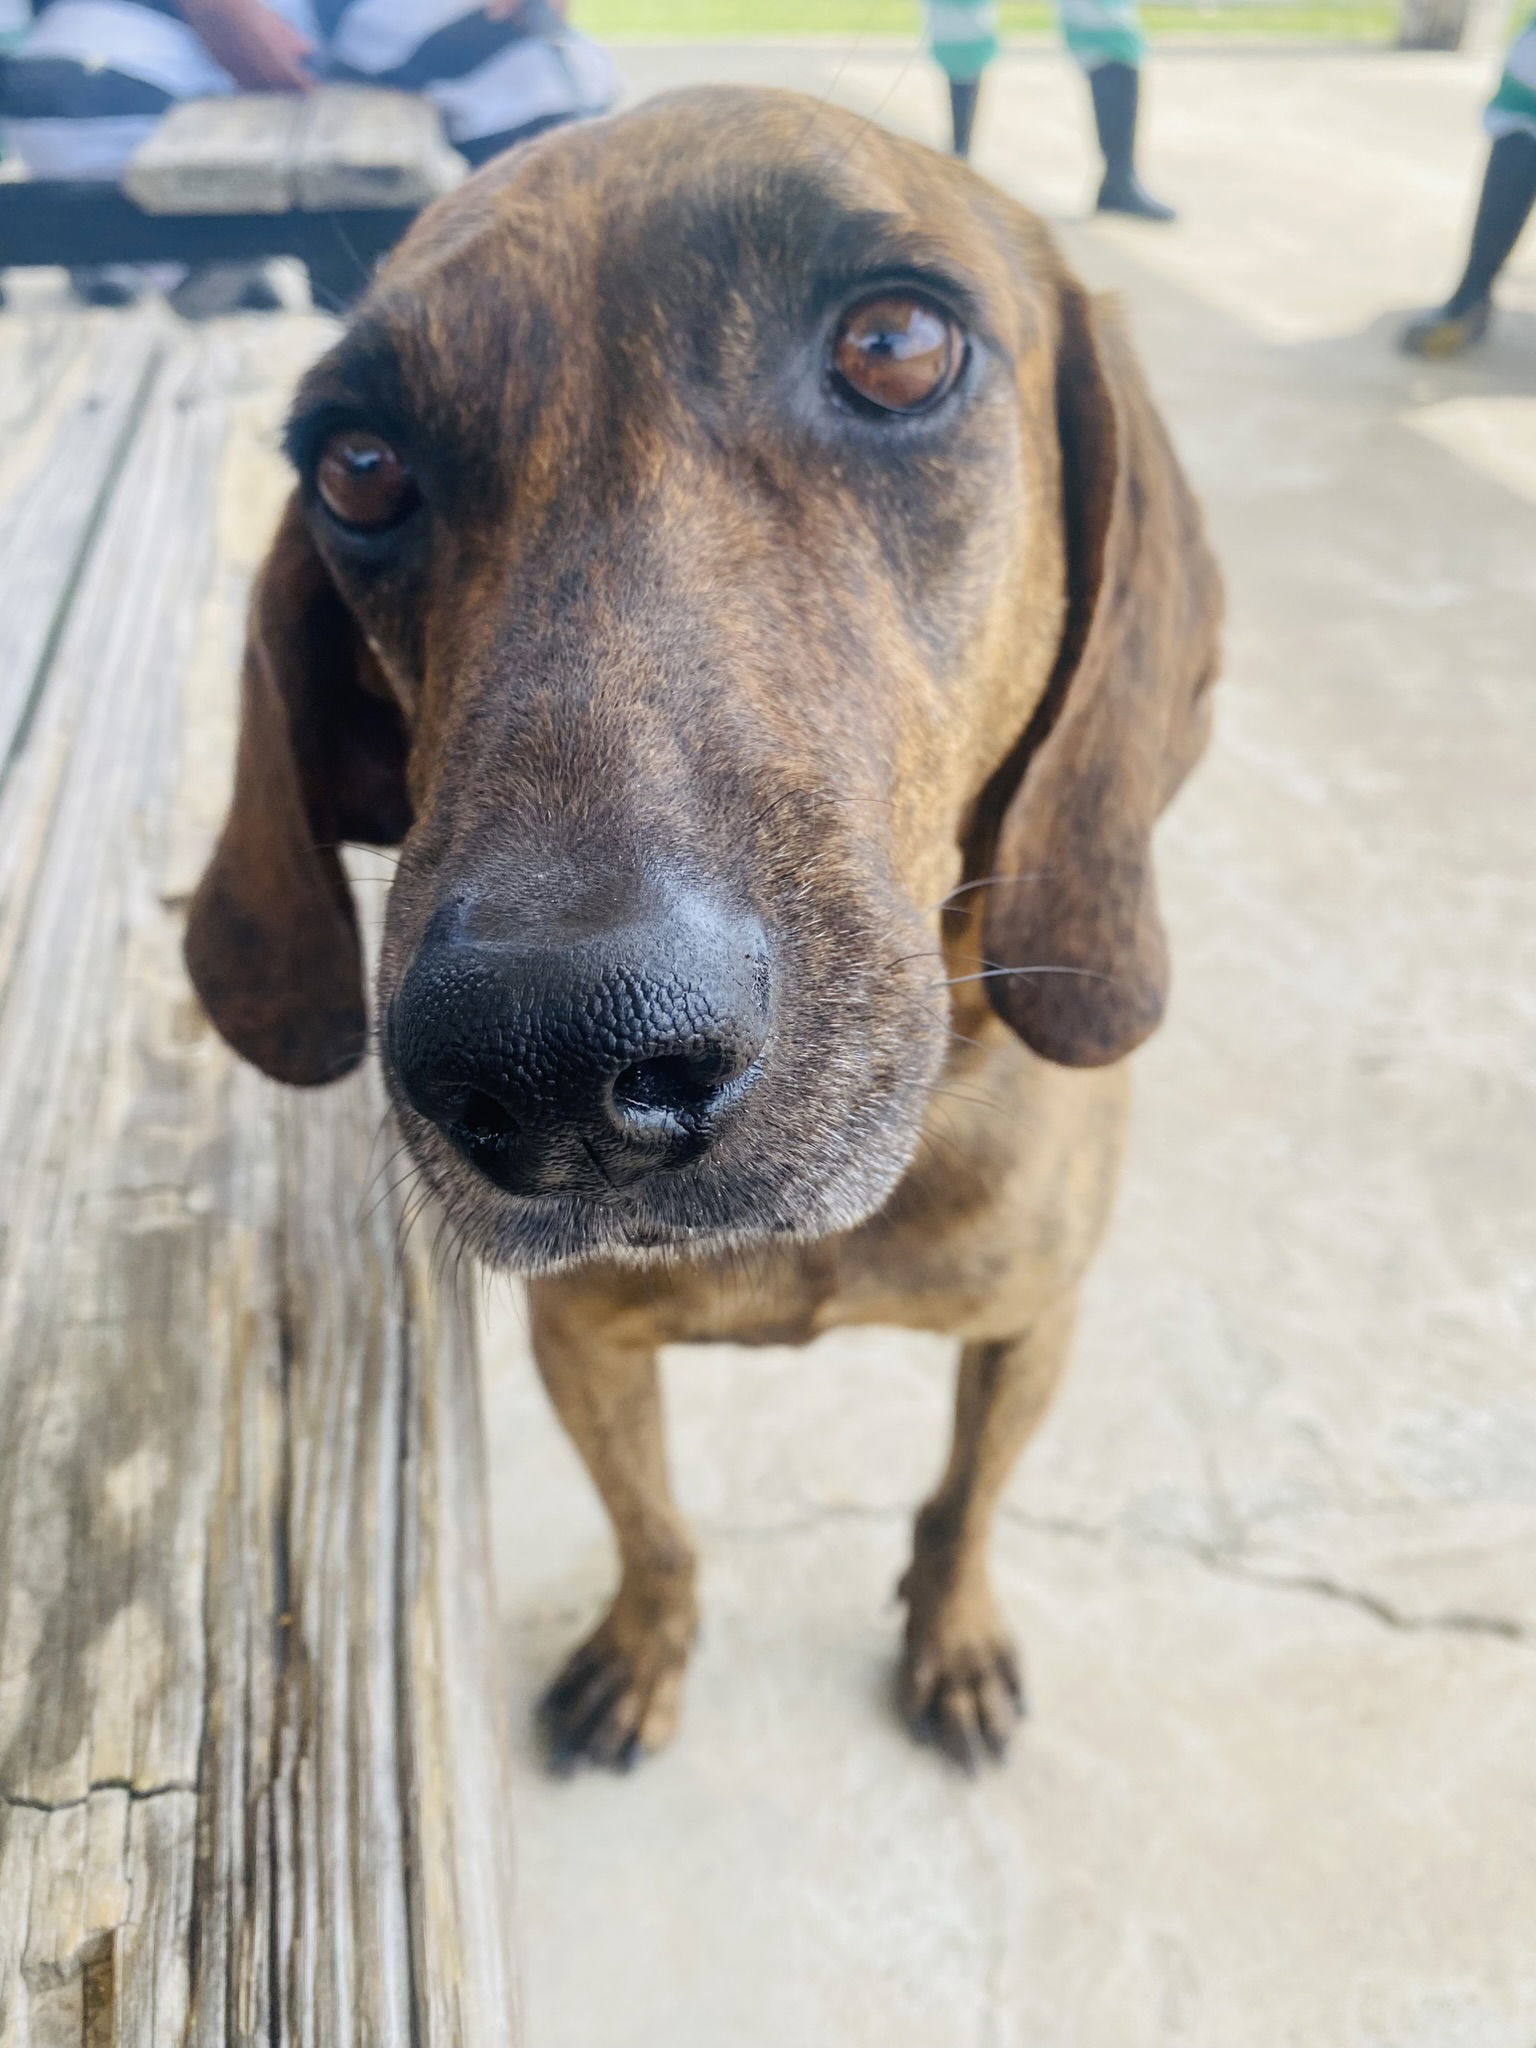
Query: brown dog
x,y
745,570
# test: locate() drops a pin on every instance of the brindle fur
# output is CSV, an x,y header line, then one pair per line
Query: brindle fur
x,y
911,692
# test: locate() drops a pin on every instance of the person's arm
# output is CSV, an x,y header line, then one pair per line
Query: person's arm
x,y
258,49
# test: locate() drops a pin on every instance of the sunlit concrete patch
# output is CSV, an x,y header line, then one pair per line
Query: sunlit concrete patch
x,y
1314,189
1244,1812
1272,1557
1495,435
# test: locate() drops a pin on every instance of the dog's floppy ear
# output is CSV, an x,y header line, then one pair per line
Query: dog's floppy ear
x,y
272,941
1074,919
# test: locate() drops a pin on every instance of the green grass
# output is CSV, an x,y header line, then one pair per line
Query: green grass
x,y
720,20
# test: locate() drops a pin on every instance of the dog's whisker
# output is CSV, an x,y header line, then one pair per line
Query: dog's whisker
x,y
383,1168
905,959
365,849
373,1143
943,1148
406,1180
988,1103
1001,973
939,1021
988,882
413,1214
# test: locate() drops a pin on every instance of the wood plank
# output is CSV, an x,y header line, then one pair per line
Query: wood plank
x,y
247,1675
226,155
71,386
361,146
339,147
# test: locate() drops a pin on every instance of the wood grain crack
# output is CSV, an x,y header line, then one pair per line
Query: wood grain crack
x,y
135,1793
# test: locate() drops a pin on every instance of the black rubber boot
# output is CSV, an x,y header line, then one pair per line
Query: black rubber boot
x,y
1509,190
1116,90
963,94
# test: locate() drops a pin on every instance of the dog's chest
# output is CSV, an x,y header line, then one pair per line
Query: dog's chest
x,y
999,1214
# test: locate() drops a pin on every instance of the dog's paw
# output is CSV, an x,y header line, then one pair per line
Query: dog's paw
x,y
619,1696
960,1684
967,1704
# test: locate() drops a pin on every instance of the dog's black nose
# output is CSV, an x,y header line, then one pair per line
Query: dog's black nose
x,y
582,1068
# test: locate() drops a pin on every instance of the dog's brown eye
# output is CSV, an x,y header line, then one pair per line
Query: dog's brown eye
x,y
898,353
363,481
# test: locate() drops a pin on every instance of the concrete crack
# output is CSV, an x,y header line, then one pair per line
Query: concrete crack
x,y
1317,1584
1214,1557
1069,1526
801,1524
1454,1623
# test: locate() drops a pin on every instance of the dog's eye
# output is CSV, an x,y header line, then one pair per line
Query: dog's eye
x,y
362,481
897,353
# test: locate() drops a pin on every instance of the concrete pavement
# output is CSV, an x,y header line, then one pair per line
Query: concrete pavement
x,y
1273,1560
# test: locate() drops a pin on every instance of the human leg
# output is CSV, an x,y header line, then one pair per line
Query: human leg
x,y
963,95
963,37
1116,92
1104,37
1503,207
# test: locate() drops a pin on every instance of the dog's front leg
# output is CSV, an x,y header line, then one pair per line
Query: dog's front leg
x,y
960,1682
619,1693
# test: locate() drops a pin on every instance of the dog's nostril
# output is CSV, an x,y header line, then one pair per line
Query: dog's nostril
x,y
670,1082
482,1116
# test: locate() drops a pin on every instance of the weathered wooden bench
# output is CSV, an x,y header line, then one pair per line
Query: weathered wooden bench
x,y
333,178
252,1785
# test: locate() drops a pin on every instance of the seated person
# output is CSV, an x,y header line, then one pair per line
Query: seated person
x,y
91,77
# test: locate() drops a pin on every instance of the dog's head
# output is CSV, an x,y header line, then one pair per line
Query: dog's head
x,y
722,532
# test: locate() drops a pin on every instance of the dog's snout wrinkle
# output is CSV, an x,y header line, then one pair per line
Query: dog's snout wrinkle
x,y
582,1069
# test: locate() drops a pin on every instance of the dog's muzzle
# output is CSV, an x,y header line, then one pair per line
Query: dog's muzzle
x,y
585,1067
